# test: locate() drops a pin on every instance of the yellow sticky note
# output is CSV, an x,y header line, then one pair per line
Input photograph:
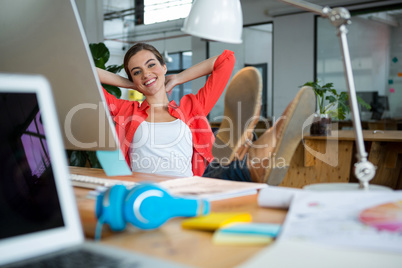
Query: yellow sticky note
x,y
246,234
215,221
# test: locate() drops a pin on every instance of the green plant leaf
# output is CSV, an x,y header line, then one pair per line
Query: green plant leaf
x,y
333,113
78,158
363,103
331,99
114,68
100,54
115,91
93,159
341,115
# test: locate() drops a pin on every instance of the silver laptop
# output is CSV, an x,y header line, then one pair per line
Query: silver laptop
x,y
38,213
46,37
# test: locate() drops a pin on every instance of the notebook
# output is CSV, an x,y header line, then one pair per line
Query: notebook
x,y
38,213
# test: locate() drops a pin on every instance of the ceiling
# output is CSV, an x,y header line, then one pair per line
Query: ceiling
x,y
278,7
270,8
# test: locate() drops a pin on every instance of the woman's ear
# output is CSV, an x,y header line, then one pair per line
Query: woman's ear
x,y
164,69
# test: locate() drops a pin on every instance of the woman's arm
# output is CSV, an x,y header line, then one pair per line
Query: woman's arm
x,y
200,69
112,79
210,93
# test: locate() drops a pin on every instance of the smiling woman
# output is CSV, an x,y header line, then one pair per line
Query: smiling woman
x,y
167,138
146,69
158,136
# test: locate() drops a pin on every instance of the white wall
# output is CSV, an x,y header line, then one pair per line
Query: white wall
x,y
91,13
369,46
293,57
394,86
258,50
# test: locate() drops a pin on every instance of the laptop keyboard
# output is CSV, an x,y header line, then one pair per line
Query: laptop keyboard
x,y
94,182
77,259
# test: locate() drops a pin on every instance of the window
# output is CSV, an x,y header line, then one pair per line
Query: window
x,y
35,147
180,62
263,69
374,39
164,10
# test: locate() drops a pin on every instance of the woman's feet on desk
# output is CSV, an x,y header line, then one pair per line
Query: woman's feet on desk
x,y
269,157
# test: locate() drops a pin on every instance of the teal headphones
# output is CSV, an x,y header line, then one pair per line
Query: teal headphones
x,y
146,206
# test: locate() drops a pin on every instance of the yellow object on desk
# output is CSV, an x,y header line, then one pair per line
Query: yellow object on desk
x,y
246,234
240,239
215,221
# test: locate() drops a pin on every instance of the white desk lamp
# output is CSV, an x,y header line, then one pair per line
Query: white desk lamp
x,y
363,169
215,20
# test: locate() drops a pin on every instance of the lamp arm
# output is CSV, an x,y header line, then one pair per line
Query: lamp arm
x,y
363,169
322,11
340,17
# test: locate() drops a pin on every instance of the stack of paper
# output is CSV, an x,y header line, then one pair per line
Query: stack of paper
x,y
210,189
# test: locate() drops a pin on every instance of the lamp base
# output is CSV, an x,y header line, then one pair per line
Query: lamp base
x,y
343,187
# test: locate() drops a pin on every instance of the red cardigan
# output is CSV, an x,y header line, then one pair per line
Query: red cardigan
x,y
193,109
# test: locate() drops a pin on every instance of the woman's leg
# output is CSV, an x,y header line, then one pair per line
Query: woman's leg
x,y
269,157
236,171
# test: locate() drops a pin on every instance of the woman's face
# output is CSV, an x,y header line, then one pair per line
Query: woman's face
x,y
147,73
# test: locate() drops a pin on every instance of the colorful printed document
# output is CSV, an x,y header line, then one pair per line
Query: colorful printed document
x,y
334,218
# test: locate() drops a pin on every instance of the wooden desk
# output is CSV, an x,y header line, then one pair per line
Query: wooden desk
x,y
171,242
383,124
321,159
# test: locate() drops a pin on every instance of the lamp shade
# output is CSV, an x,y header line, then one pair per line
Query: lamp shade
x,y
216,20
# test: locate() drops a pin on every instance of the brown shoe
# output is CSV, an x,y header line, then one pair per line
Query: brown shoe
x,y
270,156
240,116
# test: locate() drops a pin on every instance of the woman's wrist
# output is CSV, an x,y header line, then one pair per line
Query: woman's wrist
x,y
179,79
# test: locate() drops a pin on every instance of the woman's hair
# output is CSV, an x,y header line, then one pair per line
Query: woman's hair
x,y
137,48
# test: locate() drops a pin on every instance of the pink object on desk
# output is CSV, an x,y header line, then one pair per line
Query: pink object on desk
x,y
387,216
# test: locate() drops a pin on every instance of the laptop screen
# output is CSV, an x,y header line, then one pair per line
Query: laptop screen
x,y
28,196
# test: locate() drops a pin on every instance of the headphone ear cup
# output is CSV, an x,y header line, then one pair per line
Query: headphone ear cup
x,y
112,207
147,206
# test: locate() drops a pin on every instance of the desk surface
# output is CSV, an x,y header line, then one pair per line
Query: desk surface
x,y
171,242
368,135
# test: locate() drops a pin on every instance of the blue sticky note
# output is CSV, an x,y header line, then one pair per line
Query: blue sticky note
x,y
113,163
246,234
264,229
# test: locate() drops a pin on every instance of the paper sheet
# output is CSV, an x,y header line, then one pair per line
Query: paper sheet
x,y
290,253
331,218
277,197
211,189
113,163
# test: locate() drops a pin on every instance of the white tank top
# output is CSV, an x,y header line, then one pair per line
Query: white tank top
x,y
162,148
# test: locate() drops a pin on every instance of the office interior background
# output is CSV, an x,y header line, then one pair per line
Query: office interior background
x,y
288,45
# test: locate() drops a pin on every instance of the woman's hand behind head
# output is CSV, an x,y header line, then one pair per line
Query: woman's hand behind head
x,y
170,82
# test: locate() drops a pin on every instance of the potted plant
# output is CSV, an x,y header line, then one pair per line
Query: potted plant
x,y
331,105
100,54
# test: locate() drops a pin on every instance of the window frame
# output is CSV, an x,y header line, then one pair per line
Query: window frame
x,y
176,71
